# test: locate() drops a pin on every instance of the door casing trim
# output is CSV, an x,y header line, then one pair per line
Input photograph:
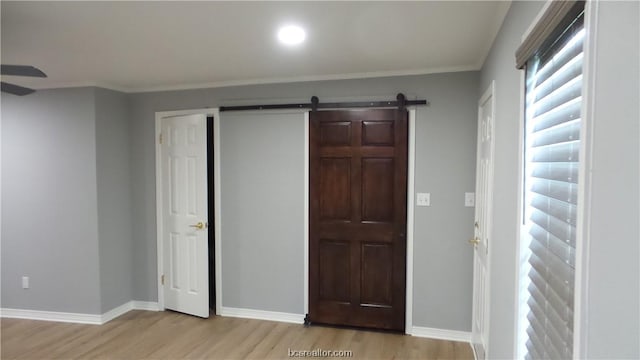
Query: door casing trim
x,y
411,189
306,214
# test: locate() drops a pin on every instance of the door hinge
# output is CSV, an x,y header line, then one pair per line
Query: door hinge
x,y
160,138
162,279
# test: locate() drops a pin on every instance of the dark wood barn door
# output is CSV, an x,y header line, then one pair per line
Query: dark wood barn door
x,y
357,220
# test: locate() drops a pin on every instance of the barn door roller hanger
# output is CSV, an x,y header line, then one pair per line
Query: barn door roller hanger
x,y
401,103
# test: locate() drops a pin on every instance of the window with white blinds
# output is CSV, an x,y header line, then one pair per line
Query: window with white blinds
x,y
552,155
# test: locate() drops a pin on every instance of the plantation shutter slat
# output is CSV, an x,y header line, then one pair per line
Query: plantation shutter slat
x,y
561,248
560,210
564,132
564,63
555,320
557,171
551,284
561,97
544,345
533,354
557,276
555,227
559,77
559,152
553,124
534,342
556,189
549,328
559,115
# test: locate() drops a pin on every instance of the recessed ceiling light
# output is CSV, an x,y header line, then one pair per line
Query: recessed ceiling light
x,y
291,35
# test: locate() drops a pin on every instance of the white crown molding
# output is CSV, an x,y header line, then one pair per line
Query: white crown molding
x,y
78,318
260,81
80,84
262,315
295,79
441,334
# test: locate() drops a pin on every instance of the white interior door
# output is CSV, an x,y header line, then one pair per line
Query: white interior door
x,y
184,214
482,226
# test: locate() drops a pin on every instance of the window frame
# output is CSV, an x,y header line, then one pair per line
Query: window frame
x,y
580,335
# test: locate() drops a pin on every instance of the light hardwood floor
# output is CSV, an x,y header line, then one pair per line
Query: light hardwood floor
x,y
169,335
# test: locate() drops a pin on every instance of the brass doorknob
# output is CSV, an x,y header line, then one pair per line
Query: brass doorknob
x,y
474,241
200,225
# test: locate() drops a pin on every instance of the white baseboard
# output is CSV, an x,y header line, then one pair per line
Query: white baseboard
x,y
115,312
93,319
262,315
146,305
96,319
442,334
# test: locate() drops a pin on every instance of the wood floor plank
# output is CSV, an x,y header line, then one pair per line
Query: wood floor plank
x,y
170,335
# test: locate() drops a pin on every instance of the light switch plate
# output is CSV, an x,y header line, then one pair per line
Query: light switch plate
x,y
423,199
469,199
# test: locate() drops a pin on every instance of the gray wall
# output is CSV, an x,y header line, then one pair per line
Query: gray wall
x,y
66,213
500,66
613,325
445,167
262,183
113,154
49,213
613,304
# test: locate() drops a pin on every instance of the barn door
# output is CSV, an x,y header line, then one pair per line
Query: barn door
x,y
357,217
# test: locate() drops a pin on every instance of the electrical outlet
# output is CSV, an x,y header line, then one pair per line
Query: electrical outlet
x,y
423,199
469,199
25,282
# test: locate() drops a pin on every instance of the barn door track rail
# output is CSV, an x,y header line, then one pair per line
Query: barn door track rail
x,y
315,104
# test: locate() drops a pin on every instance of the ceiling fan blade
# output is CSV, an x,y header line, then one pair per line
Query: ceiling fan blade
x,y
22,70
15,89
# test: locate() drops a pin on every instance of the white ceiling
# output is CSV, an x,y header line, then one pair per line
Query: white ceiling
x,y
141,46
